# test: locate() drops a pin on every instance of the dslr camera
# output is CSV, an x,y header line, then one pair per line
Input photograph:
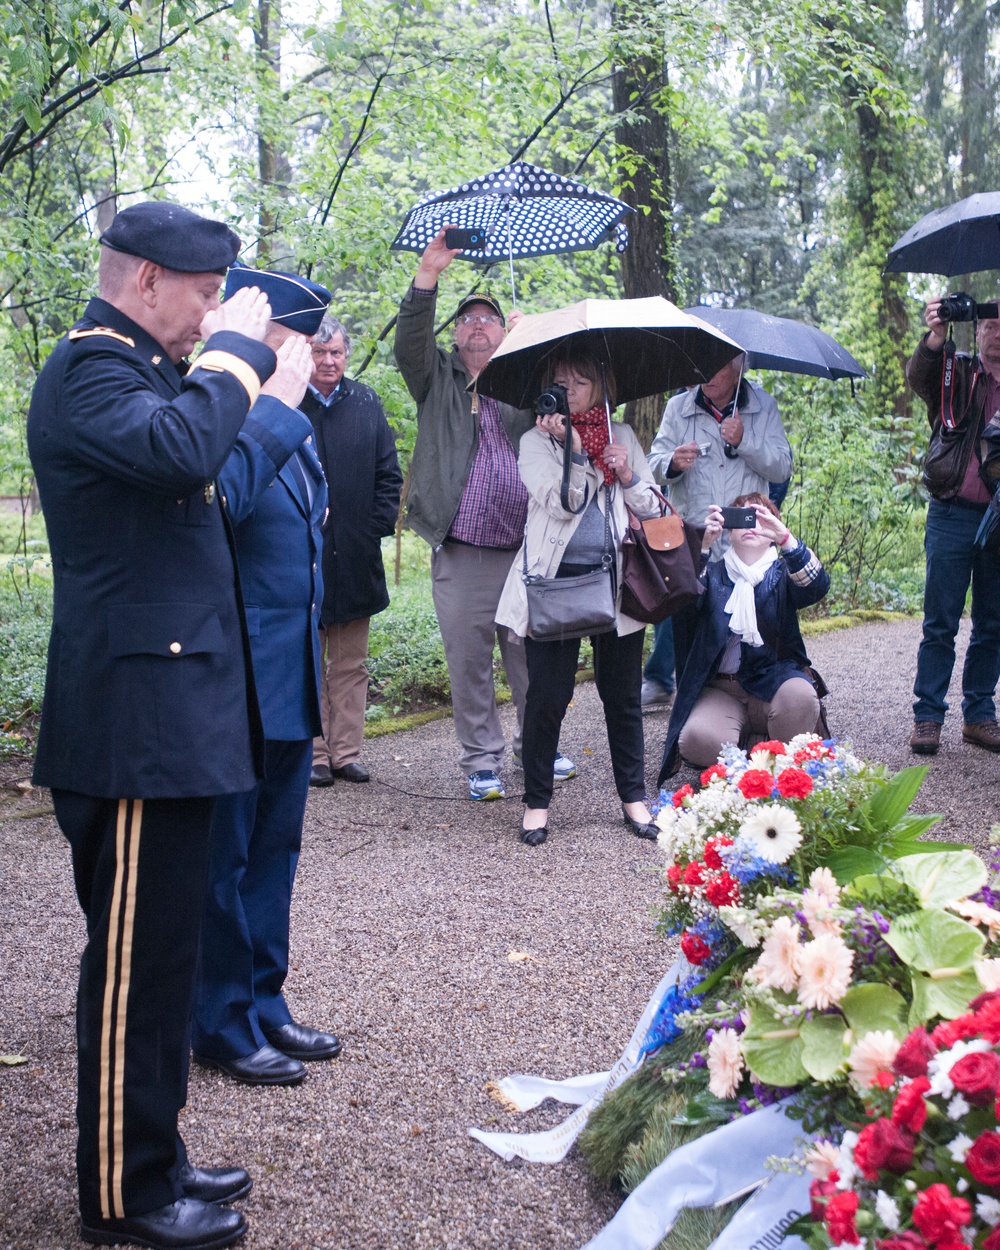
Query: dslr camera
x,y
552,400
961,307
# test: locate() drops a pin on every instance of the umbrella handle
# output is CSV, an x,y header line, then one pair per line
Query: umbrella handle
x,y
607,402
510,258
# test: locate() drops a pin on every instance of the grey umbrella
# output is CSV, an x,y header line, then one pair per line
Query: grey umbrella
x,y
781,343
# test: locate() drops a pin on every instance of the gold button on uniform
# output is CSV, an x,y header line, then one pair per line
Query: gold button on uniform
x,y
175,647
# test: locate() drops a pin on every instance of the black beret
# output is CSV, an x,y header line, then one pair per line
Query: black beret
x,y
173,237
488,300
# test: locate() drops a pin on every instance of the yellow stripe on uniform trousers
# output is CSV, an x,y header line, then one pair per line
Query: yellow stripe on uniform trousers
x,y
118,973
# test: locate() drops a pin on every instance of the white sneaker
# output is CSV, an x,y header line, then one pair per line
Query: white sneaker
x,y
562,770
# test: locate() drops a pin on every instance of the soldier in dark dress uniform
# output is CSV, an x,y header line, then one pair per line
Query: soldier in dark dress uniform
x,y
150,710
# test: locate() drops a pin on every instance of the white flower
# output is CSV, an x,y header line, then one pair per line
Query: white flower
x,y
821,1159
761,759
846,1171
743,922
825,966
988,1209
824,882
725,1063
666,818
887,1210
978,913
941,1065
962,1185
957,1108
959,1147
778,966
774,831
988,972
872,1055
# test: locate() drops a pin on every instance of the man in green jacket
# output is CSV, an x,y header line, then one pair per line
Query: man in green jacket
x,y
466,498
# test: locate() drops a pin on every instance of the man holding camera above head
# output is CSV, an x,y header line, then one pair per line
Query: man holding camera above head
x,y
466,498
961,394
716,441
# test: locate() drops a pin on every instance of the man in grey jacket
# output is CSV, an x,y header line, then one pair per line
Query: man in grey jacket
x,y
466,498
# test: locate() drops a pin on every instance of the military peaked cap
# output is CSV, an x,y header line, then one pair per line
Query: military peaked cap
x,y
173,237
295,302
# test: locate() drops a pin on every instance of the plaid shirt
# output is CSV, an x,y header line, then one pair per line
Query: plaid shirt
x,y
494,504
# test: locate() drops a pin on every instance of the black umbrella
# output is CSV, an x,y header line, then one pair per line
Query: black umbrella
x,y
650,345
523,210
781,344
961,238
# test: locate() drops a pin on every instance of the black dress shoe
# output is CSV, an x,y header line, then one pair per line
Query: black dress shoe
x,y
186,1224
321,775
299,1041
214,1184
266,1066
641,828
534,837
352,772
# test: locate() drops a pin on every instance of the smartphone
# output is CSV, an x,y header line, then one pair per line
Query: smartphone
x,y
470,240
739,518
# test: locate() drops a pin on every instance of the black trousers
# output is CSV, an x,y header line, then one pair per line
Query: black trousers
x,y
551,682
141,875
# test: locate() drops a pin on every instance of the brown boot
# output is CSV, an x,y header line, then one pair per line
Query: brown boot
x,y
926,737
984,733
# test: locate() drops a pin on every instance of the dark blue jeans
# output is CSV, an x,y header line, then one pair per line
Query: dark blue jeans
x,y
660,665
952,563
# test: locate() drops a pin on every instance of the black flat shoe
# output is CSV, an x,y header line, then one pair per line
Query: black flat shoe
x,y
352,772
641,828
534,837
186,1224
321,775
214,1184
299,1041
267,1066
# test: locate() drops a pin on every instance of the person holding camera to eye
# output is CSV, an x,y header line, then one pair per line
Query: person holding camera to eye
x,y
747,675
961,393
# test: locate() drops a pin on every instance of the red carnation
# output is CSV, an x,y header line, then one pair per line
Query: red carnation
x,y
716,770
988,996
712,847
909,1110
915,1053
772,746
694,873
674,878
902,1241
992,1242
793,783
695,950
983,1159
939,1214
883,1145
680,795
976,1077
988,1019
839,1219
819,1193
756,783
723,891
948,1032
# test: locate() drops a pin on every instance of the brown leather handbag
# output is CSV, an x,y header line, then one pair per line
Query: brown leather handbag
x,y
661,563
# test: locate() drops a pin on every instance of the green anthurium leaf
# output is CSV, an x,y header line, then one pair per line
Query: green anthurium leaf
x,y
949,997
898,849
941,879
871,1007
889,805
932,941
823,1049
772,1049
851,862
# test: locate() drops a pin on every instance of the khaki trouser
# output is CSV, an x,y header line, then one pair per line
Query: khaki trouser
x,y
725,712
343,693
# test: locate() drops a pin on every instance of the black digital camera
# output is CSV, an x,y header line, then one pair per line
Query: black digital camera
x,y
552,400
961,307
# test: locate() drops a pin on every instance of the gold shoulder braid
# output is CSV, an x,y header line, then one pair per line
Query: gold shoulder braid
x,y
100,332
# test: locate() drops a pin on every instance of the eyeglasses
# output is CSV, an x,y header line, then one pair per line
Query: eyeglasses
x,y
483,319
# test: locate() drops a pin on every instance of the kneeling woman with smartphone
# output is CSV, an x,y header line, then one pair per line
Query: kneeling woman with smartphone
x,y
746,673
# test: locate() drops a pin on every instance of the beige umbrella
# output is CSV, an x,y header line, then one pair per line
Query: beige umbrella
x,y
649,344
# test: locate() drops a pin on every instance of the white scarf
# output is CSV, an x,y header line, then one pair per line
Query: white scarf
x,y
741,606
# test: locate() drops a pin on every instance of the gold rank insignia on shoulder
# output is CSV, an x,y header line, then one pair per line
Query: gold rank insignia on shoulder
x,y
100,332
209,492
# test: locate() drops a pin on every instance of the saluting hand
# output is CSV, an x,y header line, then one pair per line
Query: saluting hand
x,y
291,376
247,312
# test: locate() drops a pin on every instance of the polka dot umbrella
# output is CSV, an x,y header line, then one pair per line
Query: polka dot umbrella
x,y
523,211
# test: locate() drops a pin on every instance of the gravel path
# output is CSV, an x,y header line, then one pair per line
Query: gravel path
x,y
406,912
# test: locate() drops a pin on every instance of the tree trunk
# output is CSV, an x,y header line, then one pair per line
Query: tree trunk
x,y
272,160
642,139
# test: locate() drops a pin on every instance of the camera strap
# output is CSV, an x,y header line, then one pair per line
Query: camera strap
x,y
949,419
567,469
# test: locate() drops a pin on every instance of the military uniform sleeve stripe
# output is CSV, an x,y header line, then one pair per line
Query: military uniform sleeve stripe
x,y
226,362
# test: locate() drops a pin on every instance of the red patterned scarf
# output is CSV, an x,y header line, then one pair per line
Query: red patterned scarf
x,y
592,426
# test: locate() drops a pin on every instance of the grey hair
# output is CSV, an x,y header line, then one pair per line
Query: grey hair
x,y
328,327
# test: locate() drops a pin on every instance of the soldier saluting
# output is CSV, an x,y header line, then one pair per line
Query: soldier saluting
x,y
150,710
